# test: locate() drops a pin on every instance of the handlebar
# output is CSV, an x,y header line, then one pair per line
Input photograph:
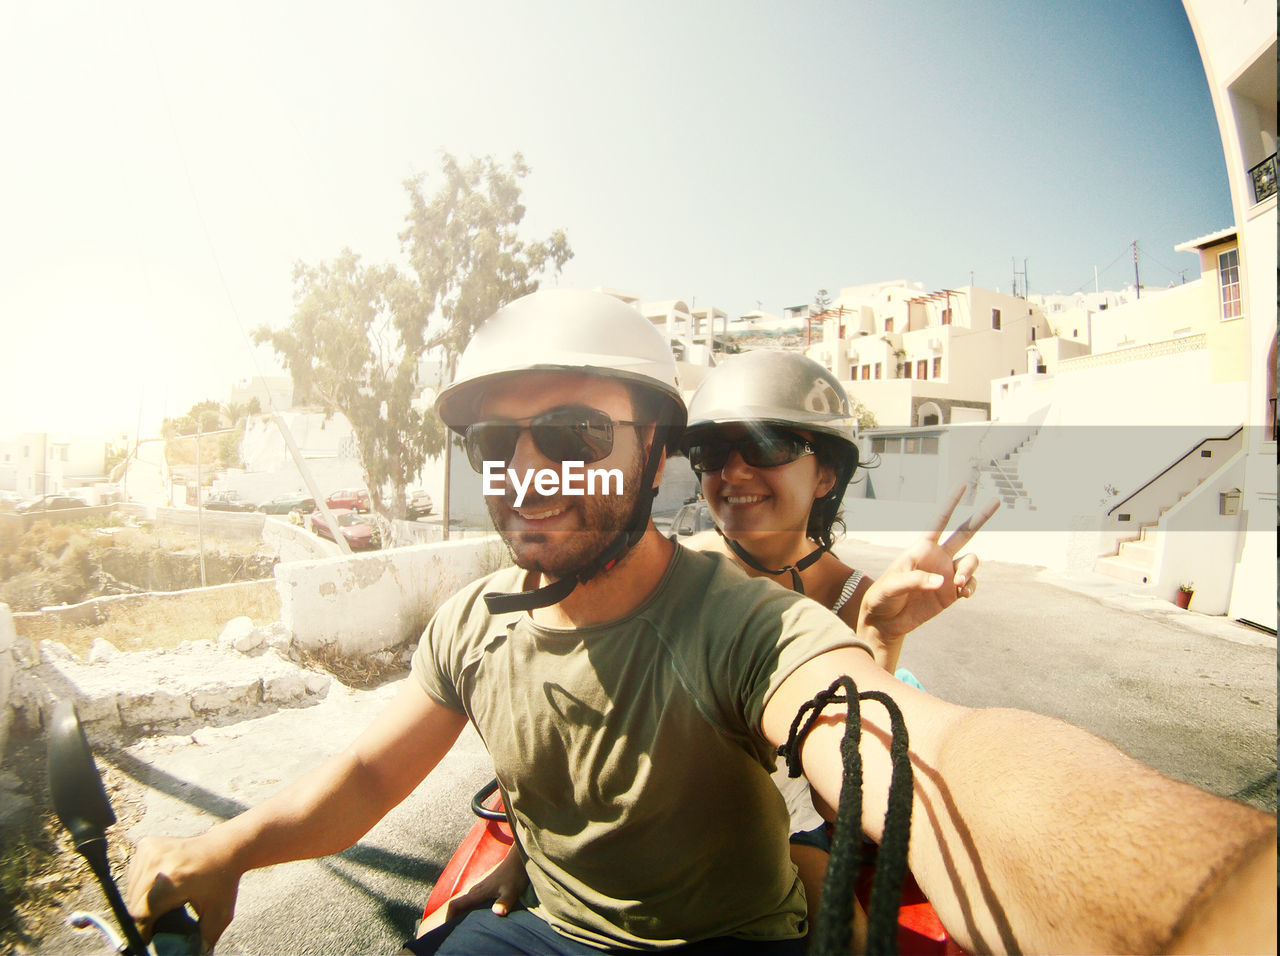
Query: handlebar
x,y
478,807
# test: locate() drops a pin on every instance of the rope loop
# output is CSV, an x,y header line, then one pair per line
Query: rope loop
x,y
835,915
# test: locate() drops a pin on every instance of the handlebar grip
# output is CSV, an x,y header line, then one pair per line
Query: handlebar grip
x,y
176,934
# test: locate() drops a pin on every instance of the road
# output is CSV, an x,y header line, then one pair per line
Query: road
x,y
1191,695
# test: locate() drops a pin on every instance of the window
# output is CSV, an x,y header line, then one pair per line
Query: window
x,y
1033,333
922,368
866,372
1229,282
946,316
995,318
888,324
64,455
906,369
929,445
937,366
890,446
878,367
912,446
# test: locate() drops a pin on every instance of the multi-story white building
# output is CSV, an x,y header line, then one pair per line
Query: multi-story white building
x,y
915,357
46,463
1237,42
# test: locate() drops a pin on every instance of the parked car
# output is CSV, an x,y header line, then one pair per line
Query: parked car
x,y
283,504
50,503
355,499
693,516
229,501
361,535
419,504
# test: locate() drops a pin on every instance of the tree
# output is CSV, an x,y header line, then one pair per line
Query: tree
x,y
358,332
469,260
821,302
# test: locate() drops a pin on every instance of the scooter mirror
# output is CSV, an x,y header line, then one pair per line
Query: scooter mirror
x,y
74,781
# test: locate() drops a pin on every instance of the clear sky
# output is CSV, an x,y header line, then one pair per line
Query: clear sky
x,y
165,165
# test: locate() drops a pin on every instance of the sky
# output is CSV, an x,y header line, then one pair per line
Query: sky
x,y
166,165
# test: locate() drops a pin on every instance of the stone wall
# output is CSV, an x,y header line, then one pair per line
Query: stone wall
x,y
379,600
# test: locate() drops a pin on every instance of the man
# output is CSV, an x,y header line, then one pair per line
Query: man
x,y
631,694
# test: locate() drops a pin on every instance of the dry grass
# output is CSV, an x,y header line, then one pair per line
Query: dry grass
x,y
161,621
358,672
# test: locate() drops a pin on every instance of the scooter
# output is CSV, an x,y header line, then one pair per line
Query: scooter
x,y
82,805
920,932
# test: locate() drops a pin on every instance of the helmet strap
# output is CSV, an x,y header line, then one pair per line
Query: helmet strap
x,y
500,603
746,558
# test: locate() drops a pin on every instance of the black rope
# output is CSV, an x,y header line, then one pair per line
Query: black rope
x,y
835,915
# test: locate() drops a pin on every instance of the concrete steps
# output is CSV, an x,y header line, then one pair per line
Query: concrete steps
x,y
1004,477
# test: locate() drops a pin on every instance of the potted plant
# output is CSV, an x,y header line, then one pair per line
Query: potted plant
x,y
1183,597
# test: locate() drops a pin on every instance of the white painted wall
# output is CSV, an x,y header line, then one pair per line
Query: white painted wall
x,y
379,600
1199,545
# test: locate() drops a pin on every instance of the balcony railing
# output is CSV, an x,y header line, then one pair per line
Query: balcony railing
x,y
1264,179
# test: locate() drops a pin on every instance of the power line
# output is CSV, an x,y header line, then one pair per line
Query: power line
x,y
1123,252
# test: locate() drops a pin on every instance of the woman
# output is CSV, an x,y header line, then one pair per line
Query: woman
x,y
770,437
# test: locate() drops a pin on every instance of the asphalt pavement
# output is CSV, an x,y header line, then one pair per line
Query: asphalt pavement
x,y
1193,696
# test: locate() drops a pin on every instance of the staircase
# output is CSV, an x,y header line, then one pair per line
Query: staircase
x,y
1135,560
1002,475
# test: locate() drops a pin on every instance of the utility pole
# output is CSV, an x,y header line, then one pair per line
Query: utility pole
x,y
339,538
199,506
1137,283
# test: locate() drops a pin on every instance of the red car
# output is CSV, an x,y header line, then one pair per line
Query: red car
x,y
356,499
361,535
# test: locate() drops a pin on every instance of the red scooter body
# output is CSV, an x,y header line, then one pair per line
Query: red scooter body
x,y
920,932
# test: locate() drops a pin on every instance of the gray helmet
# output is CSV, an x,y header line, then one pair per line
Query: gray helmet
x,y
782,388
562,330
774,387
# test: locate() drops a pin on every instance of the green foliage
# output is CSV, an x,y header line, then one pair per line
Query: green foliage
x,y
359,331
866,418
229,449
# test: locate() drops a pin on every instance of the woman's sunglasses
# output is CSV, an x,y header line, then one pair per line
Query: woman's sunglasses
x,y
569,433
760,448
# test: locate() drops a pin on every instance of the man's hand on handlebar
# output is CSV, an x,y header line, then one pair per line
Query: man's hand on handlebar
x,y
165,873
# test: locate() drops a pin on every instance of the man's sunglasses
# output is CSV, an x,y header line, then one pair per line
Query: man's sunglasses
x,y
761,448
569,433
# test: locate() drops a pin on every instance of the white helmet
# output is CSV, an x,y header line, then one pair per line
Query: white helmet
x,y
561,330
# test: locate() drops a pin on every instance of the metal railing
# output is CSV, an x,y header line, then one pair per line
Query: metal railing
x,y
1194,448
1264,179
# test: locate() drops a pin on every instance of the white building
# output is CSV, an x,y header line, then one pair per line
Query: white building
x,y
920,358
46,463
1237,42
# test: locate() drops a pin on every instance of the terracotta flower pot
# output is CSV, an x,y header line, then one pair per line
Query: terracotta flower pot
x,y
1183,599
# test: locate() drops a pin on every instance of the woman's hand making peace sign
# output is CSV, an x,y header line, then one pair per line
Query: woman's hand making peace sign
x,y
923,581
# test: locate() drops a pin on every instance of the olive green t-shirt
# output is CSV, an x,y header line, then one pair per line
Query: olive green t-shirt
x,y
630,753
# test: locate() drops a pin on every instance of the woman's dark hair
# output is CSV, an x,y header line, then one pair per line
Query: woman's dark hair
x,y
841,458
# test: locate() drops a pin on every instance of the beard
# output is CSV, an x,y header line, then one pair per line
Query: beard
x,y
588,526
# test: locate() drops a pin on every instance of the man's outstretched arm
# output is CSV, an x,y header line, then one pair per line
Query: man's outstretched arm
x,y
323,812
1031,835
